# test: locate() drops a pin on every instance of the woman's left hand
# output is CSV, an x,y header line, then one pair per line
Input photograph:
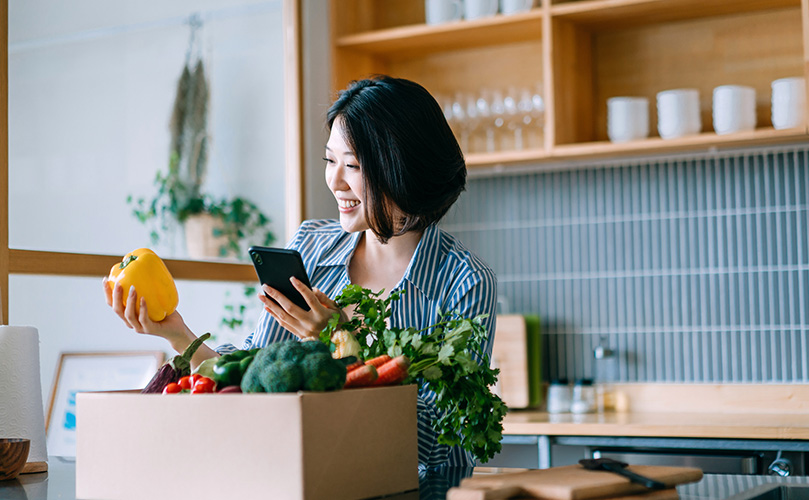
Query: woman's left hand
x,y
303,324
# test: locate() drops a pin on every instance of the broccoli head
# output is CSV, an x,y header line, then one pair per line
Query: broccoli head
x,y
312,346
291,350
321,372
267,354
282,376
291,365
251,380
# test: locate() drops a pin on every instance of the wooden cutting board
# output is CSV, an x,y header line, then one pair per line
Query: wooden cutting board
x,y
571,482
517,353
667,494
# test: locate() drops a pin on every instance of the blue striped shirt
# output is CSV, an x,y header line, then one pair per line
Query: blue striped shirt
x,y
442,276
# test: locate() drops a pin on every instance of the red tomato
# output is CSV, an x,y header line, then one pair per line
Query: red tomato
x,y
195,377
172,388
185,382
203,384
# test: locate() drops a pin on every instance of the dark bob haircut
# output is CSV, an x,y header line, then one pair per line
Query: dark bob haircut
x,y
408,155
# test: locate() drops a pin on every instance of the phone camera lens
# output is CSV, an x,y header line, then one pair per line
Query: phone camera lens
x,y
257,258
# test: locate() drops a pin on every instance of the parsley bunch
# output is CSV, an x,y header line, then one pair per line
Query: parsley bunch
x,y
446,357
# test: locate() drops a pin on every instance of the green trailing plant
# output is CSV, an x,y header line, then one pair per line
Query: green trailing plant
x,y
446,357
178,190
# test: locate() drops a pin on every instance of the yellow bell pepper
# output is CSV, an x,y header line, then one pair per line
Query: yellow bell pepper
x,y
144,270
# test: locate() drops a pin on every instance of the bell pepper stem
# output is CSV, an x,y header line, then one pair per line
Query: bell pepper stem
x,y
182,362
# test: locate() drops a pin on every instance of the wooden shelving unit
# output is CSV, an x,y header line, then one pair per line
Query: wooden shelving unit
x,y
584,52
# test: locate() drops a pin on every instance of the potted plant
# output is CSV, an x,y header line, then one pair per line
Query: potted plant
x,y
213,227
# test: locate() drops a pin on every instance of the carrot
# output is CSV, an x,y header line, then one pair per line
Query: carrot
x,y
393,372
361,377
378,361
353,366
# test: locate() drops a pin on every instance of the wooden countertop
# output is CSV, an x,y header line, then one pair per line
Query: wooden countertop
x,y
726,411
673,424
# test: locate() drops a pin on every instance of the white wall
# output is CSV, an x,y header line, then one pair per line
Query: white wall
x,y
91,84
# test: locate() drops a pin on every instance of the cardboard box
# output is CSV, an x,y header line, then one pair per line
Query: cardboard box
x,y
350,444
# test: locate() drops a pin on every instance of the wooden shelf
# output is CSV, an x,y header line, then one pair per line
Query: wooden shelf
x,y
608,14
653,145
584,52
89,265
420,39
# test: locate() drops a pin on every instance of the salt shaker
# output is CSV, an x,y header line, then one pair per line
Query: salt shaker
x,y
559,396
584,397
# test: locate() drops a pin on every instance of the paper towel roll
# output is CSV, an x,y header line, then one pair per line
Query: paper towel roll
x,y
21,409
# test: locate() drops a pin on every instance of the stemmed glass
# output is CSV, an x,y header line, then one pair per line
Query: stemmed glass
x,y
531,106
484,110
498,111
513,118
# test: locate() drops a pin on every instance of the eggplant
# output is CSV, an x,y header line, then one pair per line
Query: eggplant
x,y
174,369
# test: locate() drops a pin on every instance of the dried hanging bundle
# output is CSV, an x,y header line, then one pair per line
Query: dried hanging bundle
x,y
189,135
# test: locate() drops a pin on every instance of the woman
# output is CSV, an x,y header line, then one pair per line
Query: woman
x,y
394,168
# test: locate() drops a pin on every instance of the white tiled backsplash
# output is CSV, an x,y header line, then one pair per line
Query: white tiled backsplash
x,y
693,268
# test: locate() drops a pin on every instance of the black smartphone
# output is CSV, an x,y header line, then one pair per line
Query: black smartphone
x,y
274,267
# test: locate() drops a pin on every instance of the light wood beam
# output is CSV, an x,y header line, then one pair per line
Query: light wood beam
x,y
293,113
35,262
4,258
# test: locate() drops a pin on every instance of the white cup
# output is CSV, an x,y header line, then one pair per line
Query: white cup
x,y
678,113
475,9
788,103
515,6
734,109
627,118
442,11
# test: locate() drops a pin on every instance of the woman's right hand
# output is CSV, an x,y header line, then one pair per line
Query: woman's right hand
x,y
172,328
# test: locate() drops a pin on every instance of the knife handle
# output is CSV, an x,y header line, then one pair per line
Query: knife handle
x,y
635,478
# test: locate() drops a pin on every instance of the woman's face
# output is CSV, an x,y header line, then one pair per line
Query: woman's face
x,y
344,178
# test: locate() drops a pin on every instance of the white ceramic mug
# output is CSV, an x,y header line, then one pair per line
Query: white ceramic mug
x,y
476,9
678,113
514,6
627,118
788,102
442,11
734,109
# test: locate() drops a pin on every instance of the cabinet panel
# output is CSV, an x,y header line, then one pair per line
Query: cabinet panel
x,y
573,83
497,67
357,16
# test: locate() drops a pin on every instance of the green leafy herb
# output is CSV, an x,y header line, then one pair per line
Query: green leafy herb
x,y
447,357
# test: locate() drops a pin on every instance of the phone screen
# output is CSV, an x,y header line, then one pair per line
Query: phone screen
x,y
274,267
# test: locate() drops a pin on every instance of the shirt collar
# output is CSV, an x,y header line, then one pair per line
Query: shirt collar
x,y
422,265
342,251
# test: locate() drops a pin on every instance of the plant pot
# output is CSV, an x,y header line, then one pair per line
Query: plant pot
x,y
200,240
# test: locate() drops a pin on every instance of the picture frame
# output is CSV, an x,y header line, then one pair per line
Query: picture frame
x,y
92,371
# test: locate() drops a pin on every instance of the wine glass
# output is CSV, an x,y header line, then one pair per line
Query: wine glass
x,y
498,111
460,120
484,109
538,113
531,107
513,117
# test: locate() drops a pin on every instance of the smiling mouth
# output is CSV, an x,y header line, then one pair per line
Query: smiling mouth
x,y
347,203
